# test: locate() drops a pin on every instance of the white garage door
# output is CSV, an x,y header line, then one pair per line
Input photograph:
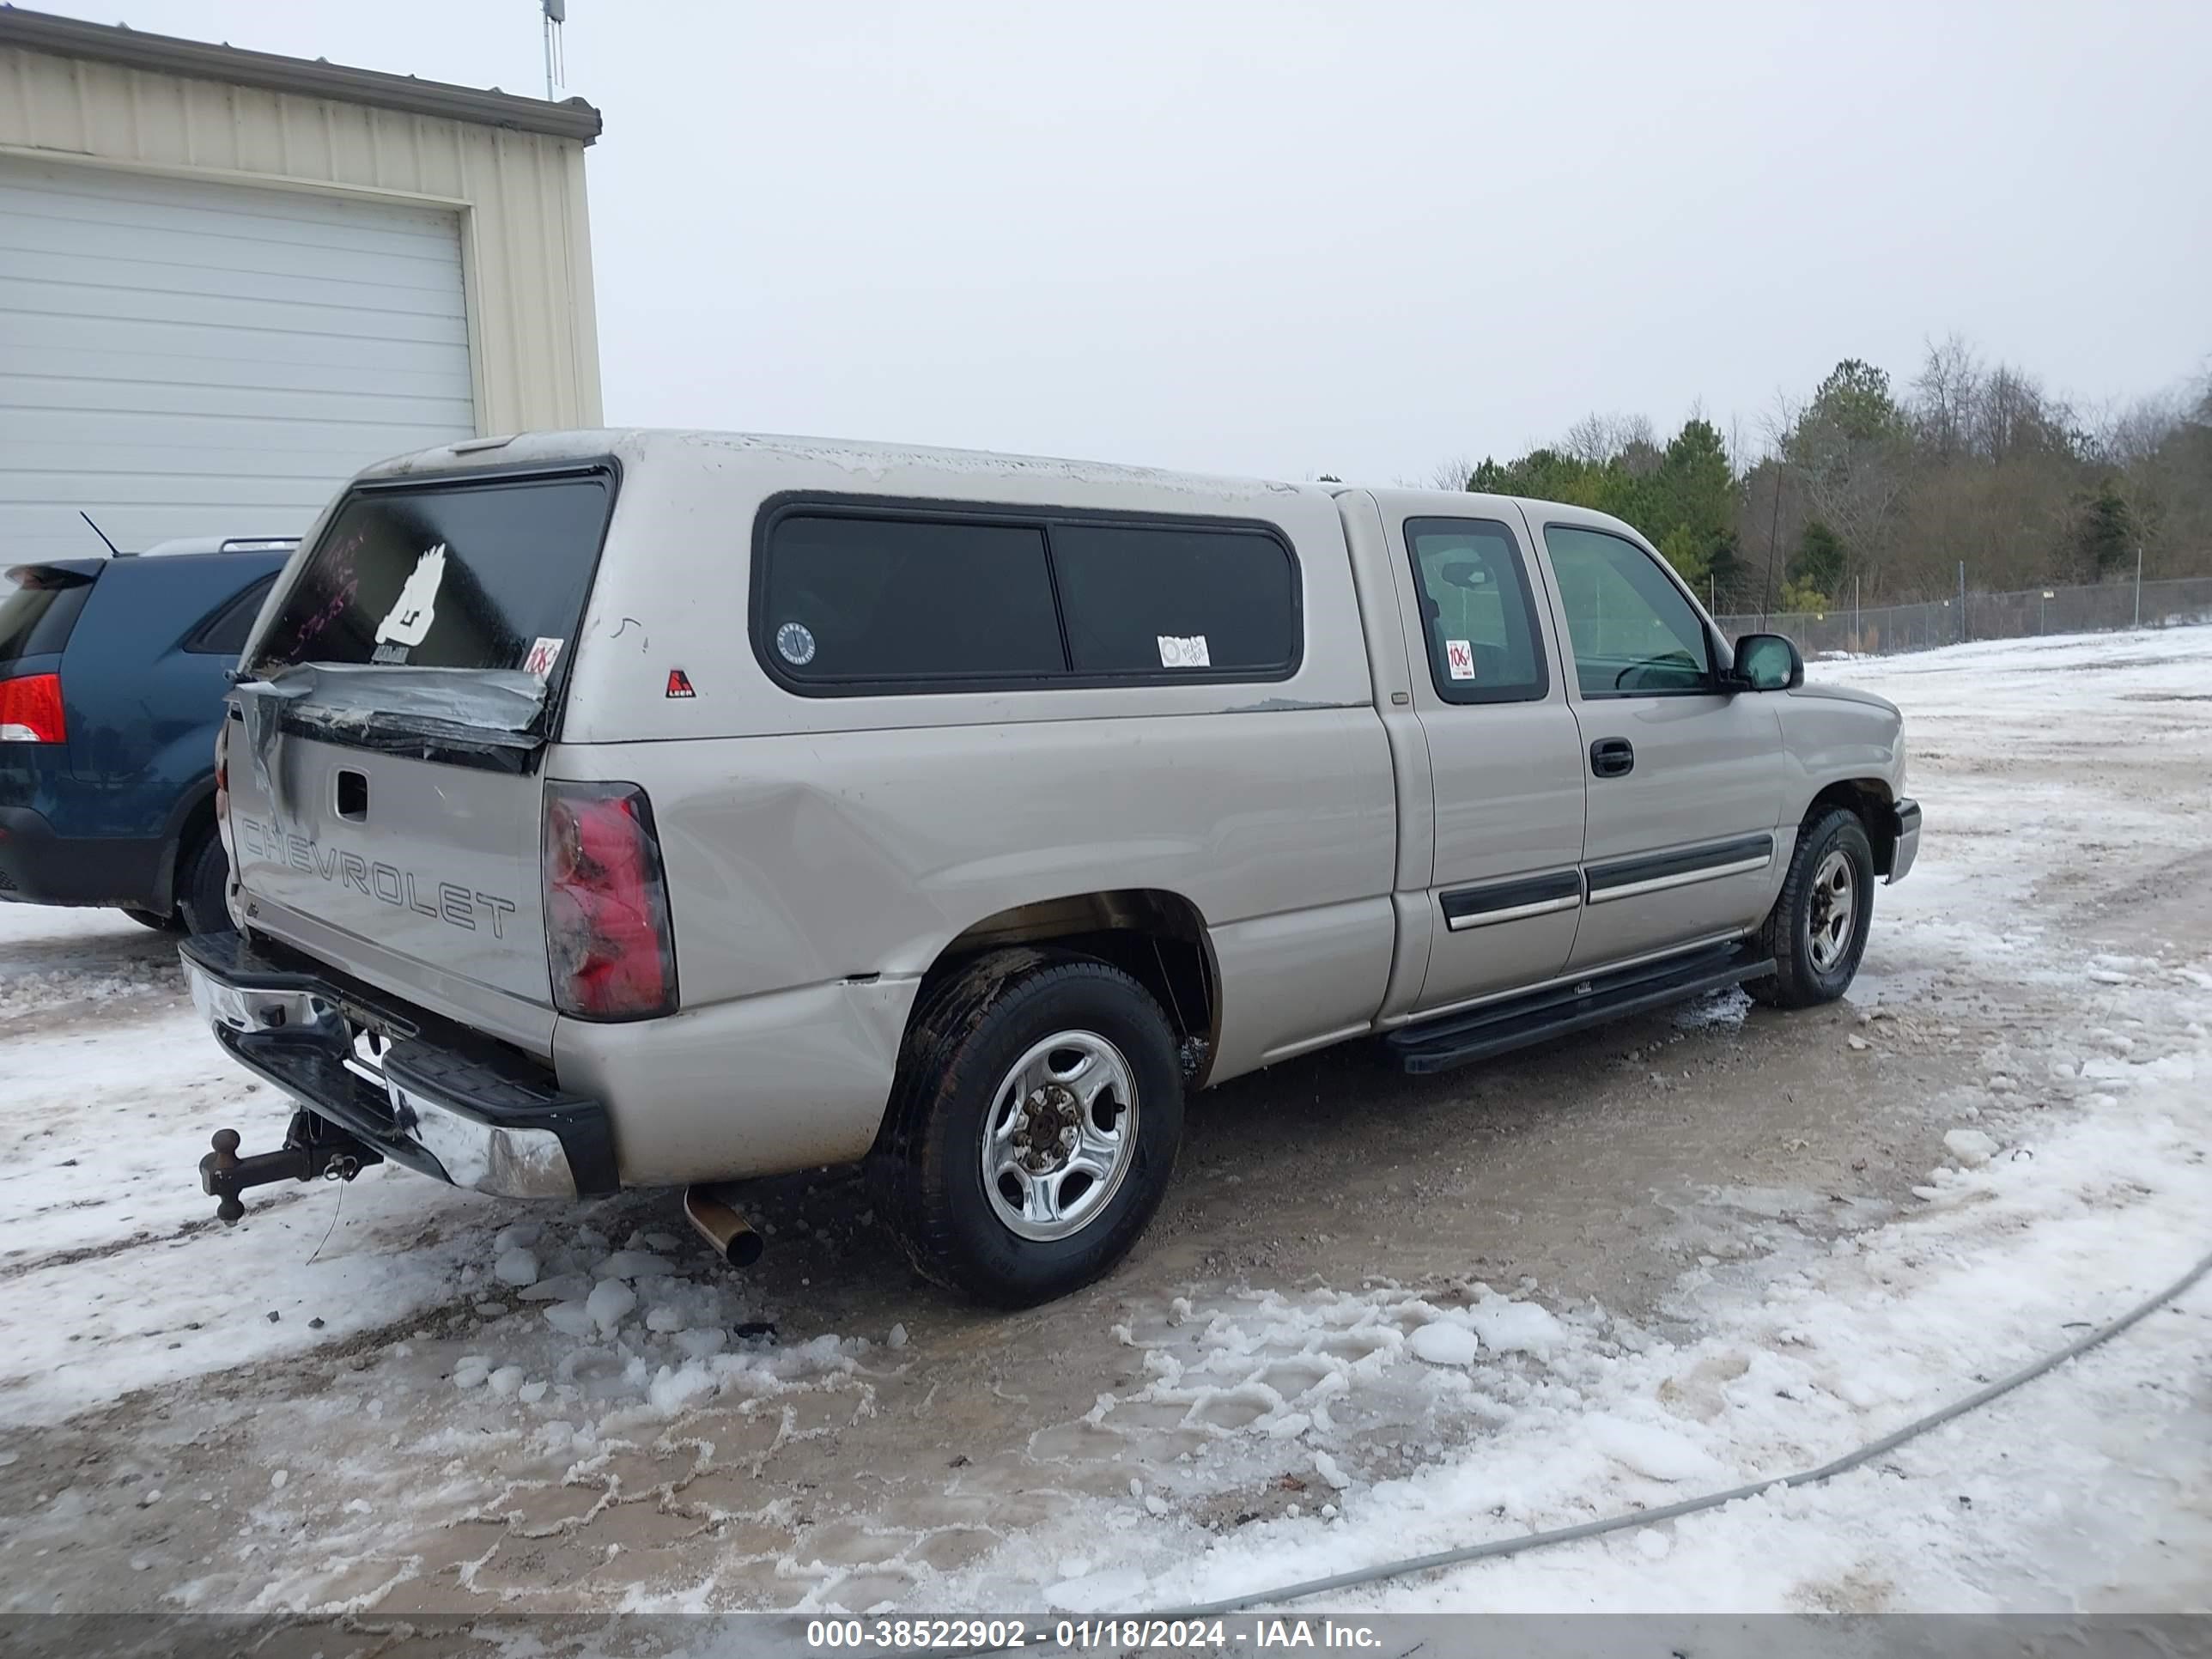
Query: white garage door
x,y
183,359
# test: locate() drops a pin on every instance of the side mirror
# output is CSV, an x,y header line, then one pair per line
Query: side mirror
x,y
1767,662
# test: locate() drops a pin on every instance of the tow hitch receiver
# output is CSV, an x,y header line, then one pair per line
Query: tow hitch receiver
x,y
312,1149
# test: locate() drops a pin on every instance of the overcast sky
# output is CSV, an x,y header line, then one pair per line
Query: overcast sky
x,y
1357,238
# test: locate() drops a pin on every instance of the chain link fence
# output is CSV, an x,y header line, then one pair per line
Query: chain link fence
x,y
1883,630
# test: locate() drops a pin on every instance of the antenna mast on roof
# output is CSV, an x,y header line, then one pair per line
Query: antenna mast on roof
x,y
556,64
98,532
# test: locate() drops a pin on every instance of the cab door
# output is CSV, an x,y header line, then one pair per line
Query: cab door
x,y
1682,841
1505,887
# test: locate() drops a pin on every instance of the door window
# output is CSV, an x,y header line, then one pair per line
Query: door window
x,y
1477,611
1634,633
223,634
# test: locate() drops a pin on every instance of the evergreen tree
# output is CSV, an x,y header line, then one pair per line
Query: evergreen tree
x,y
1820,564
2104,538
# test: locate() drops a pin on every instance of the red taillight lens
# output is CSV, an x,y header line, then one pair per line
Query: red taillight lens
x,y
607,937
31,710
222,787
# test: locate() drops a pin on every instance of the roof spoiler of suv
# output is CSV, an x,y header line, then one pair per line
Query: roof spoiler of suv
x,y
491,714
210,544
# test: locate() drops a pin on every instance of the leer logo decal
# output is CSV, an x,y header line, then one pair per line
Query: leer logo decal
x,y
408,620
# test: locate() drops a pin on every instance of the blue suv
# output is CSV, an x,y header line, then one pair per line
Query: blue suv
x,y
112,672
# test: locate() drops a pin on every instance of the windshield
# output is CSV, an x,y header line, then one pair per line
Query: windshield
x,y
484,573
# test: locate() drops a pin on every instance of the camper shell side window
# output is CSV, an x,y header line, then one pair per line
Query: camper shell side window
x,y
868,596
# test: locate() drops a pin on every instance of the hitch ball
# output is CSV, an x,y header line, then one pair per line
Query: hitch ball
x,y
219,1177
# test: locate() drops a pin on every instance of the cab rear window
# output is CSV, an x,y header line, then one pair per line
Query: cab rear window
x,y
483,573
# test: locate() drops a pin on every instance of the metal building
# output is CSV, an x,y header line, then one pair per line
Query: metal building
x,y
229,279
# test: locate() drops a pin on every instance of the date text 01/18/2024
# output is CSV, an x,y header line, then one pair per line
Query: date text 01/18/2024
x,y
1085,1634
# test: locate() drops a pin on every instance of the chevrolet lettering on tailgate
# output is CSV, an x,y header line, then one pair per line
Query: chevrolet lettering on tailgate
x,y
402,889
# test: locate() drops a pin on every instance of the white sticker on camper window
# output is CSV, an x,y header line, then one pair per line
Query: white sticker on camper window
x,y
1459,658
1177,651
544,653
408,622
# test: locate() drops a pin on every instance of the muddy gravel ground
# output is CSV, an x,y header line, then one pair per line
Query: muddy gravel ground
x,y
890,1439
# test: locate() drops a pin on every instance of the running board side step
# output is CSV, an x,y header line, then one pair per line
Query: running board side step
x,y
1437,1045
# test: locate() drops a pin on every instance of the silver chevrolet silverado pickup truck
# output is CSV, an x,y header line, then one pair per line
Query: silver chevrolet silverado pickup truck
x,y
626,809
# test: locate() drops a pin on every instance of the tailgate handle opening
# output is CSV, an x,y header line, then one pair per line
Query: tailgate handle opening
x,y
353,795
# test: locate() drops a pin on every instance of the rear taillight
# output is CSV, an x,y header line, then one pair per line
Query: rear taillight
x,y
31,710
607,937
223,788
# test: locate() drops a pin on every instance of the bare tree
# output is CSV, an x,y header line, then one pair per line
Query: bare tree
x,y
1449,474
1598,438
1947,392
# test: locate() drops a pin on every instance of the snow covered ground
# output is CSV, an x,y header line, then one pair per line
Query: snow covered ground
x,y
109,1280
392,1396
2080,1184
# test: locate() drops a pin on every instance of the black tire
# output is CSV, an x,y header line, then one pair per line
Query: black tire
x,y
160,924
202,877
963,1044
1801,978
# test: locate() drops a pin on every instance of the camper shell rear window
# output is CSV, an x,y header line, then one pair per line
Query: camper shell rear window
x,y
481,571
868,596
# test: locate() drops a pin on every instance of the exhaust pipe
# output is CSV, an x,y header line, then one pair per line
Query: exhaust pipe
x,y
715,1219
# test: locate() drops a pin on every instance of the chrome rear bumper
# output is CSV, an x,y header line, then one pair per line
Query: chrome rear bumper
x,y
469,1115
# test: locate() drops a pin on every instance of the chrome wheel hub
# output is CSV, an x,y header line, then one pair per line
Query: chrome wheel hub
x,y
1835,916
1061,1136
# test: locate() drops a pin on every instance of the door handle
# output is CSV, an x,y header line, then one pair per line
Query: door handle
x,y
353,795
1613,757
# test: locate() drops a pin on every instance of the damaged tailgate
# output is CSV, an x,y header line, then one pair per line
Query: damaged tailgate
x,y
386,730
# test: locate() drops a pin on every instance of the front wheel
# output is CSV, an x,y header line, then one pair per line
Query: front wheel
x,y
1033,1125
1817,930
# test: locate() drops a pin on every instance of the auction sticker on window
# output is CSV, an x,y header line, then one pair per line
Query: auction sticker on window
x,y
544,653
1459,658
1181,651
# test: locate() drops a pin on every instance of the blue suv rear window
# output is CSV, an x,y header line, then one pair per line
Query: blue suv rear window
x,y
39,604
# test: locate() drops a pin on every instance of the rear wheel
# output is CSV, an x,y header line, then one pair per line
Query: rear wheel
x,y
1033,1125
202,878
1817,930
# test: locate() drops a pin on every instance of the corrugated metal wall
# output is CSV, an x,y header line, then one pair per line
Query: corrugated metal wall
x,y
189,359
525,237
